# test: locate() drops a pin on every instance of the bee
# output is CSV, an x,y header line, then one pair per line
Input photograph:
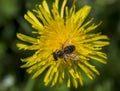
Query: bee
x,y
66,53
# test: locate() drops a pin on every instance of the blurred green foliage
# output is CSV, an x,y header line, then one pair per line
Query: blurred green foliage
x,y
13,78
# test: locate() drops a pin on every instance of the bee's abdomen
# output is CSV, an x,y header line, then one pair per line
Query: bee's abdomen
x,y
69,49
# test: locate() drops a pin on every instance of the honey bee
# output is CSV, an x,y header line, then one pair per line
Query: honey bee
x,y
66,53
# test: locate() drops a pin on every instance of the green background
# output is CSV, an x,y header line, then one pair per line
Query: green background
x,y
13,78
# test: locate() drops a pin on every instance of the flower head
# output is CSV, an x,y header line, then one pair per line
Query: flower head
x,y
64,44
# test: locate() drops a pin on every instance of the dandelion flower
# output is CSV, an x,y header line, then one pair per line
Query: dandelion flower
x,y
64,44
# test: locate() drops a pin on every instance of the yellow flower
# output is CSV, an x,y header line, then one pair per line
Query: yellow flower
x,y
64,44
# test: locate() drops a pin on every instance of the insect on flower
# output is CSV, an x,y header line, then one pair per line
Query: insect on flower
x,y
74,45
65,53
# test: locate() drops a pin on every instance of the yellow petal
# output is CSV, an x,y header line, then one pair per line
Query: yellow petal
x,y
80,78
63,7
33,20
27,47
86,70
81,15
40,70
91,67
97,59
46,78
75,84
101,37
92,27
27,38
55,78
45,5
68,82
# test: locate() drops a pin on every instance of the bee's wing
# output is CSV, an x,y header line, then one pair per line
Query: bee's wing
x,y
72,57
